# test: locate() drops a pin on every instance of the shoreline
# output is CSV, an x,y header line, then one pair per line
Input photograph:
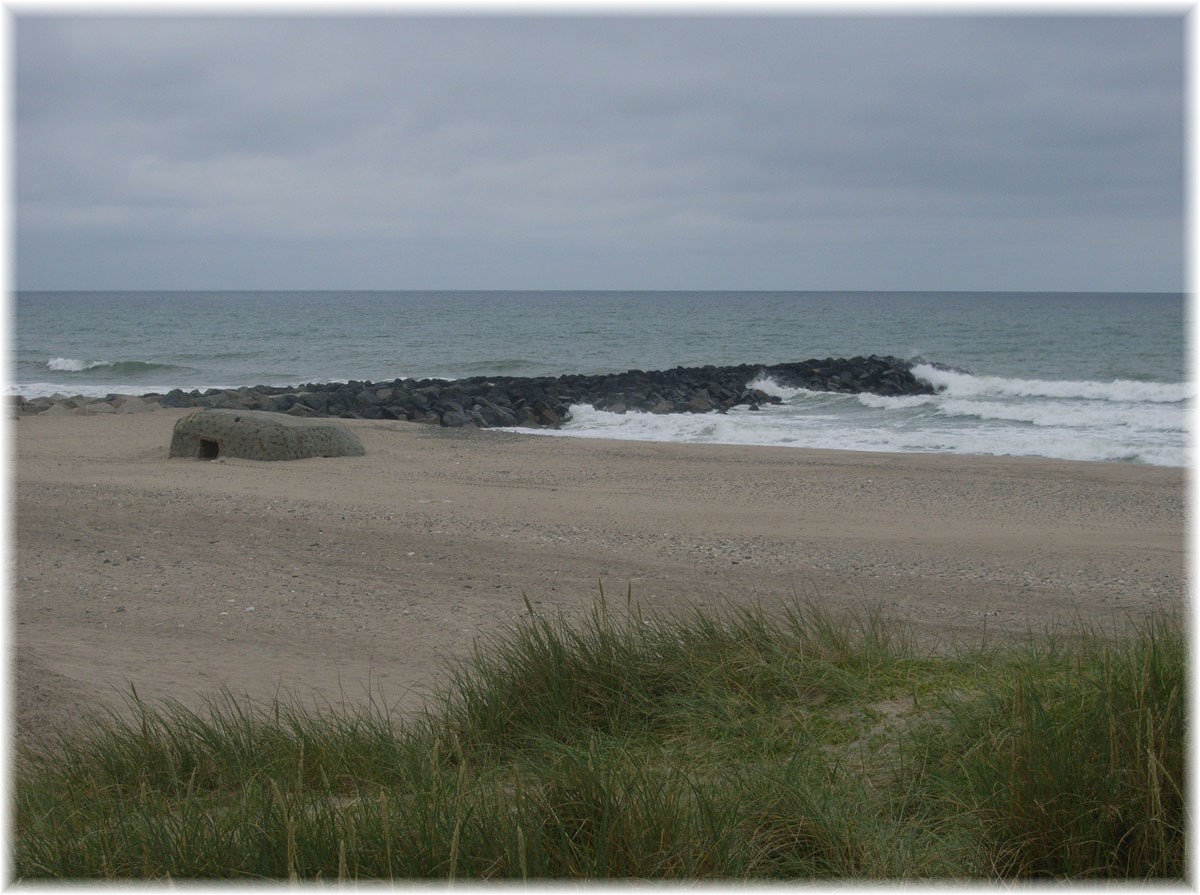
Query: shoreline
x,y
342,577
230,399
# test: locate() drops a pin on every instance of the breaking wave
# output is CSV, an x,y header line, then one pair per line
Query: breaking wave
x,y
117,368
1140,422
964,385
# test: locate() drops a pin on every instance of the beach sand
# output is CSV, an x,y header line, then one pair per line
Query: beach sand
x,y
332,579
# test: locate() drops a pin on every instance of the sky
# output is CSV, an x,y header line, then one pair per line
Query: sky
x,y
781,151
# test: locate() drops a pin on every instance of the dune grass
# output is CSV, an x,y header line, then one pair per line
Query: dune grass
x,y
723,745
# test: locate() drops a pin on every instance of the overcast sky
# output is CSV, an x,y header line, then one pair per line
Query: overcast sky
x,y
564,152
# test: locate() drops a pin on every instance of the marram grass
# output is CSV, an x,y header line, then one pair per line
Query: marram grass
x,y
731,745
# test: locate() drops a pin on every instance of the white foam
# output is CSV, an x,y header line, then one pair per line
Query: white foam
x,y
901,426
1065,414
965,385
45,389
893,402
586,421
771,387
71,365
92,389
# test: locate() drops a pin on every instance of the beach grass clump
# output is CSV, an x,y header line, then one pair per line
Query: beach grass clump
x,y
1073,765
734,744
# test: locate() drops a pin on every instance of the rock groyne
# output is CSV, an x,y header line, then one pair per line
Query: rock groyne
x,y
489,401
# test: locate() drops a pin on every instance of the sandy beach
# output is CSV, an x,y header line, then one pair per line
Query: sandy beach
x,y
335,578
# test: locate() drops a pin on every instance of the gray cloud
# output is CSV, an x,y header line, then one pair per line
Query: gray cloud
x,y
785,152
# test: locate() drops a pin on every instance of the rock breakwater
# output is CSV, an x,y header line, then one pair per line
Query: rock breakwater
x,y
489,401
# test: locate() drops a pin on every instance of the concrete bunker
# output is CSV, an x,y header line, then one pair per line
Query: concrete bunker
x,y
260,435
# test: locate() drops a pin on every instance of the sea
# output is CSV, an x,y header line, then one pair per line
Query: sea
x,y
1077,376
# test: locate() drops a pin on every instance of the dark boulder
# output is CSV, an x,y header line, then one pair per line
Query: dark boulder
x,y
176,397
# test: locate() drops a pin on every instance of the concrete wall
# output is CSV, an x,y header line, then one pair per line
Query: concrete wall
x,y
260,435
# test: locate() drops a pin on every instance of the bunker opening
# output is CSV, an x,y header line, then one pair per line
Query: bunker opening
x,y
209,449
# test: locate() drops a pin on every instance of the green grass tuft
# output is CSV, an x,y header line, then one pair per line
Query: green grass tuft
x,y
735,745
